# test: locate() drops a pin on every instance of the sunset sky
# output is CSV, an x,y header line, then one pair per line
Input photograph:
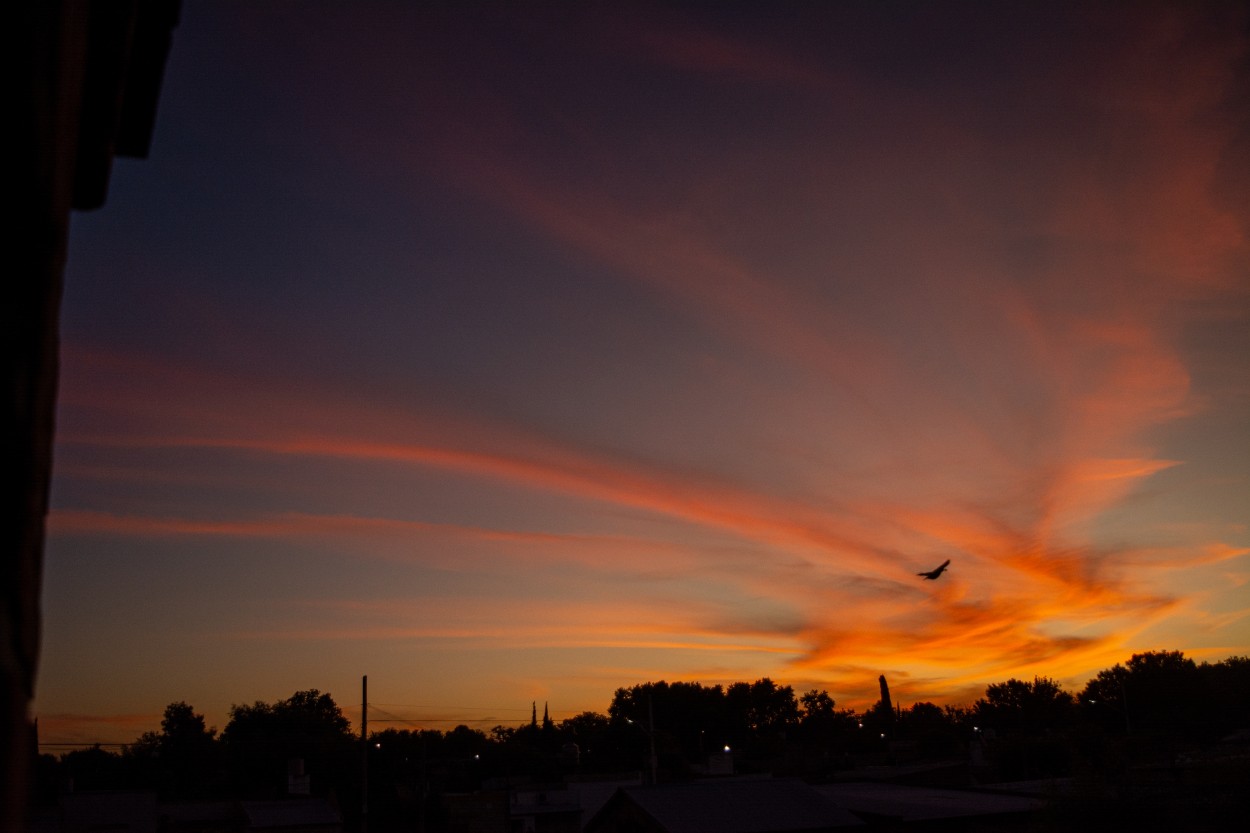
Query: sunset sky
x,y
513,353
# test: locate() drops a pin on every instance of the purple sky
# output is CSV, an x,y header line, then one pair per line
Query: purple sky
x,y
521,352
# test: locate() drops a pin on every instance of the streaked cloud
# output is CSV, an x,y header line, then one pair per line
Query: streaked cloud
x,y
860,318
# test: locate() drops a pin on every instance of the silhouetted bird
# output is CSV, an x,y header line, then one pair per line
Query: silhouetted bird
x,y
932,574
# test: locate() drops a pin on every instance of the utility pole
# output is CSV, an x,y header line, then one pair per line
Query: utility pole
x,y
1128,727
364,754
651,735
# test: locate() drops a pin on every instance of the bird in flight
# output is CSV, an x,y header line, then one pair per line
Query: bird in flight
x,y
932,574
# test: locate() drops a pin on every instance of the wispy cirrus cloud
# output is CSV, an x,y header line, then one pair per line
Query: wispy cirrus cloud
x,y
826,548
872,319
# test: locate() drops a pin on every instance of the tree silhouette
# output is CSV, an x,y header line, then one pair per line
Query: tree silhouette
x,y
1023,708
1226,690
826,734
933,730
1027,721
95,769
182,760
262,738
1172,704
599,741
816,706
1156,694
686,717
765,708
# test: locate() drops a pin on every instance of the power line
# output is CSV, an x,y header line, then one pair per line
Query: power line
x,y
420,721
427,719
388,717
459,708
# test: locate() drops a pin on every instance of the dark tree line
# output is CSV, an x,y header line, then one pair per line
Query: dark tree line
x,y
249,759
1156,704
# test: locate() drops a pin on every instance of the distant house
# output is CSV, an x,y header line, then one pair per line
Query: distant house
x,y
722,806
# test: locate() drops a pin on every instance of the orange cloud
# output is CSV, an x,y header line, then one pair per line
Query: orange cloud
x,y
960,347
1003,631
